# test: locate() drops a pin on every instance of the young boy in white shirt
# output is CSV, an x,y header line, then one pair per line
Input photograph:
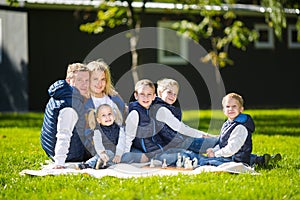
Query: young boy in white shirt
x,y
142,135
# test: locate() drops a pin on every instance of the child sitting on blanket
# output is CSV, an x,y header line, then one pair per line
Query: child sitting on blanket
x,y
109,137
235,140
167,90
143,135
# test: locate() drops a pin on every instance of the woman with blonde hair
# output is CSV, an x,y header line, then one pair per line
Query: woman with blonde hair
x,y
101,92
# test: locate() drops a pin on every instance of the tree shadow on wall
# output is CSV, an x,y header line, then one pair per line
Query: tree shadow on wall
x,y
13,85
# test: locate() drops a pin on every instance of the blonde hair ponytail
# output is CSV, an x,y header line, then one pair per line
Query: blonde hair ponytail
x,y
92,119
118,116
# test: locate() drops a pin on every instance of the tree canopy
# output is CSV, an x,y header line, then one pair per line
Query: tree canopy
x,y
218,22
221,26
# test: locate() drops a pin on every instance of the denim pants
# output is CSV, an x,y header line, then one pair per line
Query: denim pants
x,y
134,156
213,161
200,145
93,161
218,161
170,155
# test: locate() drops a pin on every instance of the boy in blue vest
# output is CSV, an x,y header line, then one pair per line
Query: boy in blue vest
x,y
167,90
143,133
64,121
235,140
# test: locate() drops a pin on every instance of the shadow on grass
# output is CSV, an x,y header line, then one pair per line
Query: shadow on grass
x,y
269,167
9,120
286,125
265,125
277,124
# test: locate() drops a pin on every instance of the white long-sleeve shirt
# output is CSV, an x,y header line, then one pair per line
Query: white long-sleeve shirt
x,y
163,115
131,122
236,140
166,116
107,100
67,119
100,147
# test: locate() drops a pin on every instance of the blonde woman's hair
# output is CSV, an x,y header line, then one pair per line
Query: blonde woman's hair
x,y
165,83
142,83
75,67
235,96
100,65
92,115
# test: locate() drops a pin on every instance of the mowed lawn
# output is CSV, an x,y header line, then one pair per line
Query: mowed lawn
x,y
277,131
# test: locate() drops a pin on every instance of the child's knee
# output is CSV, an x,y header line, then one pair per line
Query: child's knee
x,y
144,158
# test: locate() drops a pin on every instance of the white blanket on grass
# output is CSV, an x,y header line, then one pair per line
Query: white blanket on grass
x,y
137,170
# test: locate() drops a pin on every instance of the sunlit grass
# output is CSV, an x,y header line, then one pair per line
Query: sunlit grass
x,y
277,131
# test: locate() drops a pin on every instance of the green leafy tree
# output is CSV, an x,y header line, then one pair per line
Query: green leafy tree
x,y
213,21
222,27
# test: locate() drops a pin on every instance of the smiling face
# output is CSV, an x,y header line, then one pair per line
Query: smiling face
x,y
97,83
105,115
80,80
232,108
169,95
145,95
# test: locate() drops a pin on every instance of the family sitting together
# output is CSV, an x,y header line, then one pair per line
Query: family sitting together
x,y
87,121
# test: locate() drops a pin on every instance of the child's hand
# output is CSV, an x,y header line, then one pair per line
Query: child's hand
x,y
210,153
103,156
117,159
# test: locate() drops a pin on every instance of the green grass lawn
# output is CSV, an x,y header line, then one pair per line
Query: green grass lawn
x,y
277,131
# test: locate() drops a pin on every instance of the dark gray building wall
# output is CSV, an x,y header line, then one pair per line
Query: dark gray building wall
x,y
14,61
54,42
265,77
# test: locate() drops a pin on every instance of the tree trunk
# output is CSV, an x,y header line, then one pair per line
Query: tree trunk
x,y
134,54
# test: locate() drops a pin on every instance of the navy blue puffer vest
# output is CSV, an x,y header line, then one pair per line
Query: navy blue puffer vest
x,y
62,95
147,140
171,138
243,155
110,136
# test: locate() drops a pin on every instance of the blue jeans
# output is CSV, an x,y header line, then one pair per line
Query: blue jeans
x,y
170,155
253,158
93,161
213,161
218,161
200,145
134,156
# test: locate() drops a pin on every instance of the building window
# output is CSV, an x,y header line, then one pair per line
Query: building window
x,y
171,46
292,37
266,36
